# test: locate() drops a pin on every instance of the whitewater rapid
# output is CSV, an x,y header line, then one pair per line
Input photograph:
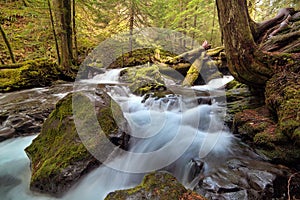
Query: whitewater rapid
x,y
168,134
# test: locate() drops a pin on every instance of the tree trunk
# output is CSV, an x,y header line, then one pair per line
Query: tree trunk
x,y
246,42
54,32
7,44
131,20
64,17
213,25
245,61
195,25
75,33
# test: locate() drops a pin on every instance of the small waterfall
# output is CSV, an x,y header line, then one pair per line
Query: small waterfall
x,y
167,134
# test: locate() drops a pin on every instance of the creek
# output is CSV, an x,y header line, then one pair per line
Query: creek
x,y
173,133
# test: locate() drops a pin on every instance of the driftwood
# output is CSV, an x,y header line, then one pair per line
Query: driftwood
x,y
259,30
280,33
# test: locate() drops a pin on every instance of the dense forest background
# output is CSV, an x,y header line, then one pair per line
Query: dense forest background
x,y
28,31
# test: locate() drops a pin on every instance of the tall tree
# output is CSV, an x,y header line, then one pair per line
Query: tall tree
x,y
64,13
53,31
192,17
74,31
247,63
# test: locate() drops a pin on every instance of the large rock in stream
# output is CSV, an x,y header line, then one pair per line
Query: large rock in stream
x,y
58,156
156,186
143,79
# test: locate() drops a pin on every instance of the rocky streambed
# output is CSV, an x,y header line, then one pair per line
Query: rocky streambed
x,y
237,171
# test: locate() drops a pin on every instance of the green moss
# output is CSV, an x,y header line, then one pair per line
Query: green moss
x,y
58,144
29,74
107,122
143,79
156,186
270,138
282,154
215,51
283,97
280,139
234,84
140,57
58,148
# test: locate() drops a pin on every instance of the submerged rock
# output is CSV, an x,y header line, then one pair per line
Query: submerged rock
x,y
157,185
58,156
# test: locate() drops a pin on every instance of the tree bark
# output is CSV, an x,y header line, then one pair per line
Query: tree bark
x,y
12,57
131,20
245,61
64,17
54,32
74,32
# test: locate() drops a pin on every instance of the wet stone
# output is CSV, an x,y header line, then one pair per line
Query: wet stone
x,y
245,179
23,112
6,133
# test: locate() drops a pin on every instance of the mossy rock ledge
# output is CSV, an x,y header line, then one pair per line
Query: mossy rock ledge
x,y
156,185
58,156
29,74
274,129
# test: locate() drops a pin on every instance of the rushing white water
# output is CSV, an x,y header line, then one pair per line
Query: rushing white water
x,y
167,134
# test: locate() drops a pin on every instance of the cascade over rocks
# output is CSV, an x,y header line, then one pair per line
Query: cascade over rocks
x,y
58,156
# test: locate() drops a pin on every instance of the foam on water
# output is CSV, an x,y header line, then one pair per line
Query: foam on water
x,y
166,133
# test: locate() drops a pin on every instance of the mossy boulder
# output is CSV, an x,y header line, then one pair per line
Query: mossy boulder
x,y
258,128
157,185
283,98
33,73
140,57
58,156
143,79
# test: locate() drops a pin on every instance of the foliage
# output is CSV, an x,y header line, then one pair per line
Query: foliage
x,y
28,25
264,9
196,18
